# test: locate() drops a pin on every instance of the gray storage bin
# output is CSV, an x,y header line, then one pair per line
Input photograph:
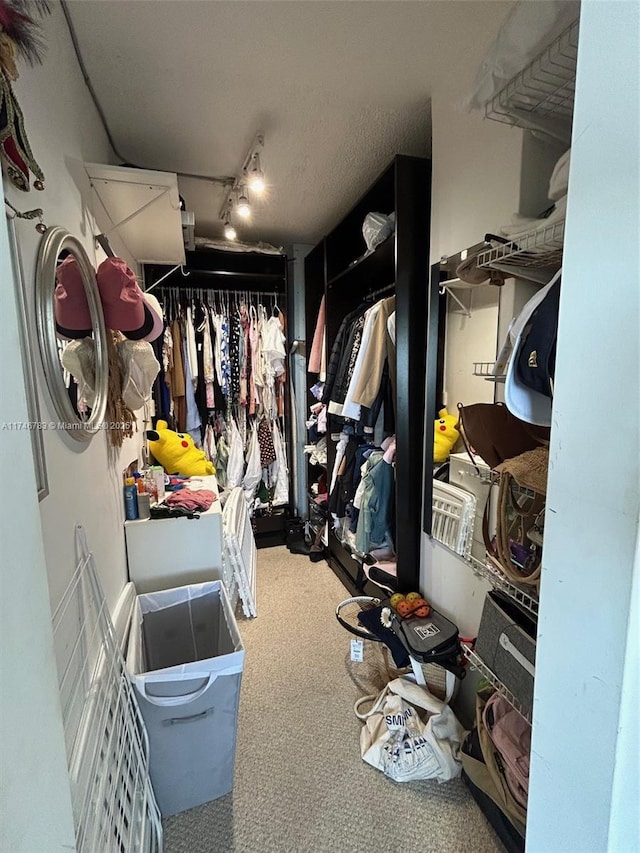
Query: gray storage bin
x,y
507,644
185,657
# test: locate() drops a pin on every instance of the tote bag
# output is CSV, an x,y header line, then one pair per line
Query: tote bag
x,y
409,734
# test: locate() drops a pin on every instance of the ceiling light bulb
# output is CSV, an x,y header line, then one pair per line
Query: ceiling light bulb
x,y
256,182
243,208
229,231
256,176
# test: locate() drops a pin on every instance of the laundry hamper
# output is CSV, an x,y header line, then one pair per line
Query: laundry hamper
x,y
186,658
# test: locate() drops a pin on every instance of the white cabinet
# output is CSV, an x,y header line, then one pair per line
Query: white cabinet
x,y
170,552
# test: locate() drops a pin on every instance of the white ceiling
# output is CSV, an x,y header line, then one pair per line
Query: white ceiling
x,y
336,87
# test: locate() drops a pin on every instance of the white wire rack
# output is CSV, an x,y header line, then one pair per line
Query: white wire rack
x,y
541,248
487,570
240,548
477,663
541,97
453,517
107,749
486,370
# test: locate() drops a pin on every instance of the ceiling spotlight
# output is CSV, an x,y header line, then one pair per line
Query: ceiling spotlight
x,y
229,231
256,175
243,207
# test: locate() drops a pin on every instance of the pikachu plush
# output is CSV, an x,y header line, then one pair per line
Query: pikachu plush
x,y
445,435
177,453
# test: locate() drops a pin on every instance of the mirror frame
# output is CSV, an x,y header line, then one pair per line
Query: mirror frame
x,y
54,241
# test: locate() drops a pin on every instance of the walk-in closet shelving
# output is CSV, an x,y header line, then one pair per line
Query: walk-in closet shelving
x,y
236,275
542,94
476,662
314,278
539,248
487,570
486,370
351,276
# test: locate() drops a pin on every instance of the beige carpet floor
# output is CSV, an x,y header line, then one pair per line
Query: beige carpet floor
x,y
300,784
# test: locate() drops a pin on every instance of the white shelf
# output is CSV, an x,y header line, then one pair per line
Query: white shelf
x,y
485,369
539,249
477,663
524,596
541,97
141,208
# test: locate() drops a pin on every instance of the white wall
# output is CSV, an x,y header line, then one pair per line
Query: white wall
x,y
580,799
476,186
35,803
470,339
64,130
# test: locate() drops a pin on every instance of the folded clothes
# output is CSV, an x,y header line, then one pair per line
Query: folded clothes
x,y
523,225
190,499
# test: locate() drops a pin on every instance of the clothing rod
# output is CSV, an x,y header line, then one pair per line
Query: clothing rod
x,y
237,274
382,290
189,290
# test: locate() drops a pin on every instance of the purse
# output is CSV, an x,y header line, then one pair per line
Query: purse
x,y
409,734
520,524
495,434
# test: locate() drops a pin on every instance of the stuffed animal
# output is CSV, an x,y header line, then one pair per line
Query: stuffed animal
x,y
445,435
177,453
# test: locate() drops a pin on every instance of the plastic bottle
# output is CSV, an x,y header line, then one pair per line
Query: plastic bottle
x,y
144,505
130,499
150,485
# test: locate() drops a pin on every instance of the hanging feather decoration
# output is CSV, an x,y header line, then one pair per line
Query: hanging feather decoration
x,y
20,38
17,22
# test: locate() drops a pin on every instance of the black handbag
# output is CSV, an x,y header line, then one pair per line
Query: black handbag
x,y
433,639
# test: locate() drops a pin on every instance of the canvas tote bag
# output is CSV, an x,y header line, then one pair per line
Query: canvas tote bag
x,y
409,734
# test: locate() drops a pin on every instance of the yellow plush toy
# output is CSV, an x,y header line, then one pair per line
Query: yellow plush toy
x,y
445,435
177,453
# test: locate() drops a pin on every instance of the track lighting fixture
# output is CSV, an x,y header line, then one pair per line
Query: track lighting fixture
x,y
251,177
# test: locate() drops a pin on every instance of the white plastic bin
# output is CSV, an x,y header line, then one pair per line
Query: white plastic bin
x,y
185,657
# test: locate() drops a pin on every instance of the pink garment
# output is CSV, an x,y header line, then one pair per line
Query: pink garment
x,y
191,499
315,356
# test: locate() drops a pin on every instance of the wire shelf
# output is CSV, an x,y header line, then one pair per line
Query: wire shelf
x,y
114,808
487,570
541,97
477,663
486,370
539,248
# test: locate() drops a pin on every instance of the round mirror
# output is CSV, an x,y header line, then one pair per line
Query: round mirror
x,y
72,334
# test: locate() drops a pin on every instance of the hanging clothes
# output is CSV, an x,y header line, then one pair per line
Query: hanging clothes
x,y
225,379
315,357
374,520
253,474
281,475
379,349
178,379
350,408
235,463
